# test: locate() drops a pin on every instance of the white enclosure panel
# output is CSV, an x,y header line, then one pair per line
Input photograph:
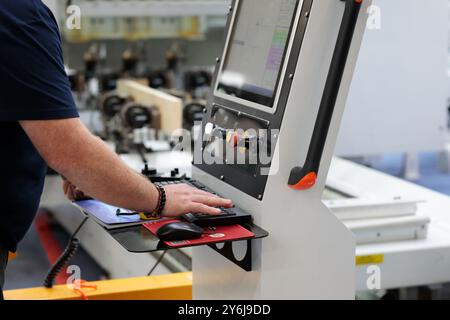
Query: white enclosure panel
x,y
398,96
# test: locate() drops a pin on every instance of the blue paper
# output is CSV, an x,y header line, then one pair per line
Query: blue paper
x,y
106,213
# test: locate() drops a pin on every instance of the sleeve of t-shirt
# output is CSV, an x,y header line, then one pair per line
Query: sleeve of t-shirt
x,y
33,82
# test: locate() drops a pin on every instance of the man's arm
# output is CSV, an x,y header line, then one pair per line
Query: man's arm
x,y
69,148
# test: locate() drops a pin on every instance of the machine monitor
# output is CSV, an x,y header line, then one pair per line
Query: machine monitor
x,y
251,90
255,52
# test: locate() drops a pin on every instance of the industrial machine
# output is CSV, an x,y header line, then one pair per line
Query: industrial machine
x,y
110,104
279,90
129,124
310,248
266,142
197,82
193,112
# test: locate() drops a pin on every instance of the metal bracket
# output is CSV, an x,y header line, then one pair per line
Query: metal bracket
x,y
227,252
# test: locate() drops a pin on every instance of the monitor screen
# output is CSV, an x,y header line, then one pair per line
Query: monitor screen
x,y
256,49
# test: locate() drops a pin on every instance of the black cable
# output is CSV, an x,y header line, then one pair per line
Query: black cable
x,y
65,257
142,152
79,227
157,263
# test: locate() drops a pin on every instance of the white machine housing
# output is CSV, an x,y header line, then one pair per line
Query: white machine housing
x,y
309,253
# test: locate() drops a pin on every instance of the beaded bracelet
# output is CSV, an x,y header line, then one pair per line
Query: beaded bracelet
x,y
157,213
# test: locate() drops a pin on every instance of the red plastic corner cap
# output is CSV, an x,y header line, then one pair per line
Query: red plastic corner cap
x,y
306,183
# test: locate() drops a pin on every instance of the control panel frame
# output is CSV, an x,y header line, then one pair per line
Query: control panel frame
x,y
254,184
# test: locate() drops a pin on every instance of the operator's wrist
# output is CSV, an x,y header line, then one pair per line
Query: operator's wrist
x,y
162,198
152,198
158,208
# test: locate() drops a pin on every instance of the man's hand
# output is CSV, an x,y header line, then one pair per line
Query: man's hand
x,y
182,199
72,192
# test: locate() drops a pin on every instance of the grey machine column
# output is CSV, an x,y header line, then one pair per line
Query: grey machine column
x,y
281,82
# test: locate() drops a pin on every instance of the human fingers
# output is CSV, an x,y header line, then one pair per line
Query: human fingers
x,y
203,208
212,201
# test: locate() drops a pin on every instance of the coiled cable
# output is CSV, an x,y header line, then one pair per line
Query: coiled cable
x,y
65,257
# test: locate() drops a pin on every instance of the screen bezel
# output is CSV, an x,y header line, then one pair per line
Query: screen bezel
x,y
281,75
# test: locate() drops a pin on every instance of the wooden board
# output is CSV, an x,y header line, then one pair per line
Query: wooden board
x,y
170,107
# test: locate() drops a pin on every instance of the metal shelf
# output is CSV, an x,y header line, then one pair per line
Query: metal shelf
x,y
139,240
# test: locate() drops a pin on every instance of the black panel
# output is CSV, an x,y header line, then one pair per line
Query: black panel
x,y
246,179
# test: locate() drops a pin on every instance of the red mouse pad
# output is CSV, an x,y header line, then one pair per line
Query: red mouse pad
x,y
210,236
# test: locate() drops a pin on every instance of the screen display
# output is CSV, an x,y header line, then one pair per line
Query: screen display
x,y
255,54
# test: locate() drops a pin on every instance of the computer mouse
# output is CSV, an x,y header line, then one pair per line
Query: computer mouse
x,y
178,231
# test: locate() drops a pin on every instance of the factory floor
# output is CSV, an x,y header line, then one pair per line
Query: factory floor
x,y
31,265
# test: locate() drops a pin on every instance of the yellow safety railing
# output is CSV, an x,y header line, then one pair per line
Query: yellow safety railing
x,y
176,286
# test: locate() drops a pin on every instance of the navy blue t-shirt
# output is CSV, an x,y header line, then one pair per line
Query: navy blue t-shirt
x,y
33,86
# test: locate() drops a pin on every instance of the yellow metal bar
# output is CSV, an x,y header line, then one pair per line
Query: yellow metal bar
x,y
176,286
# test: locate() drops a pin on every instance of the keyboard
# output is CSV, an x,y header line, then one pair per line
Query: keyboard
x,y
229,216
